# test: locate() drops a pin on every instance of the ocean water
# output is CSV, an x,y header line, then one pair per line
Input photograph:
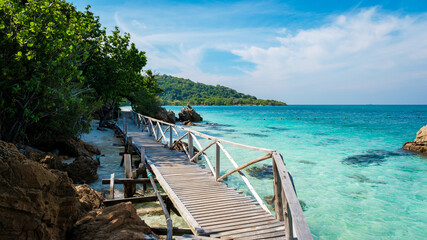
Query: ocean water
x,y
353,178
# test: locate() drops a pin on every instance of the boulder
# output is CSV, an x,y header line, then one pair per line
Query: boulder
x,y
35,203
166,116
82,170
115,222
419,145
69,146
89,198
46,159
189,114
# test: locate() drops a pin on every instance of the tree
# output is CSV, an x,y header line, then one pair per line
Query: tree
x,y
114,71
42,46
145,100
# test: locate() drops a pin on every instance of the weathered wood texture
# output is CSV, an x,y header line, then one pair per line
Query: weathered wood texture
x,y
209,207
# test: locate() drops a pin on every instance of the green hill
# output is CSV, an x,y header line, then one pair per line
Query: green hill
x,y
180,91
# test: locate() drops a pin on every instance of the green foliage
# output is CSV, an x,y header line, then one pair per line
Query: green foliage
x,y
145,100
114,70
42,46
58,66
179,91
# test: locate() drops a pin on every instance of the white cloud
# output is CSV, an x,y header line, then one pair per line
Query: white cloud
x,y
366,53
358,57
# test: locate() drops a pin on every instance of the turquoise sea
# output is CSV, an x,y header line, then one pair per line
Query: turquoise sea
x,y
350,172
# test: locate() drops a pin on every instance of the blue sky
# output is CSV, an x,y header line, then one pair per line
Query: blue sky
x,y
300,52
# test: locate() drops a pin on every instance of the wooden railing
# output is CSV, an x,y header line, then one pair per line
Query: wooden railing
x,y
286,204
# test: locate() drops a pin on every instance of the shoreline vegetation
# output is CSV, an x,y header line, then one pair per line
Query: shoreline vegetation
x,y
180,92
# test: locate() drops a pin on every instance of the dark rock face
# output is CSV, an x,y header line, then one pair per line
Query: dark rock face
x,y
166,116
419,145
82,170
69,146
189,114
35,203
115,222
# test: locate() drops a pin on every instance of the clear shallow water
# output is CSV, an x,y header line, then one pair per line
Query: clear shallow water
x,y
347,163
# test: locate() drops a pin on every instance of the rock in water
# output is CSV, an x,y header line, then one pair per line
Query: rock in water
x,y
166,116
35,203
115,222
419,145
189,114
83,170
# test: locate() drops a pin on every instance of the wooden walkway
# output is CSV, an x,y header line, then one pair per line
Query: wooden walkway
x,y
210,207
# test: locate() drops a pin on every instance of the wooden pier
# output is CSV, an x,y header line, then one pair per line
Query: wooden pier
x,y
210,208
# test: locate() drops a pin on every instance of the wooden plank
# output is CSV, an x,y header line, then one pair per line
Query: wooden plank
x,y
126,180
235,218
219,225
223,215
176,231
112,186
251,231
133,200
247,225
195,227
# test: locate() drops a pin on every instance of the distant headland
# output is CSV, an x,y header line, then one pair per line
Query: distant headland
x,y
180,91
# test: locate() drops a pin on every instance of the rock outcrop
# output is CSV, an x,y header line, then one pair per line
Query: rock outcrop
x,y
35,203
69,146
419,145
89,198
46,159
116,222
82,170
189,114
166,116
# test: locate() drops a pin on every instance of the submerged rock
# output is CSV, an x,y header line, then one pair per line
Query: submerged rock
x,y
115,222
372,157
419,145
264,171
189,114
35,203
166,116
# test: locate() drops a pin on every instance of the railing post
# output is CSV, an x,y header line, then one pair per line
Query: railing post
x,y
157,131
149,126
170,137
217,161
190,145
278,203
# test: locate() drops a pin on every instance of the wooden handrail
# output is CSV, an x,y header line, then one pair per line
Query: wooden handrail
x,y
287,206
267,156
296,214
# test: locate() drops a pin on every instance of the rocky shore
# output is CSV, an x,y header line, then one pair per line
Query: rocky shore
x,y
188,116
38,200
419,145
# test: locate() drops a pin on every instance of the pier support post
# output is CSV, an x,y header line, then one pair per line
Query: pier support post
x,y
190,145
129,189
217,161
278,203
170,138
